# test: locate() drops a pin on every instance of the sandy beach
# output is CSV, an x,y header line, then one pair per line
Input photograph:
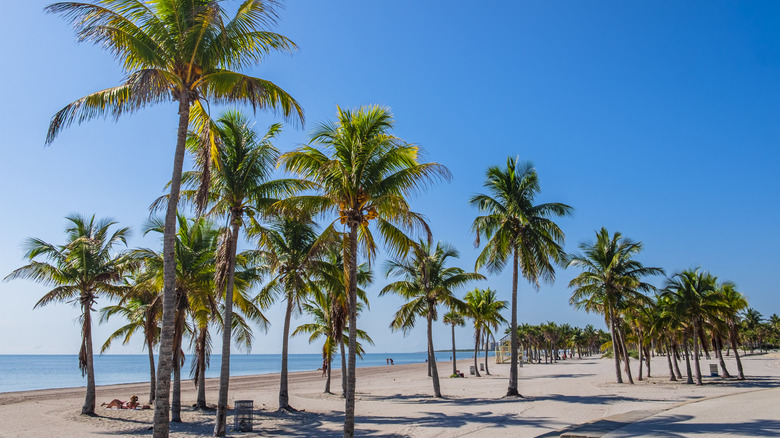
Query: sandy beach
x,y
395,401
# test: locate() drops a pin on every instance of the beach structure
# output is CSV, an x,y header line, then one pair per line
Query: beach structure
x,y
503,350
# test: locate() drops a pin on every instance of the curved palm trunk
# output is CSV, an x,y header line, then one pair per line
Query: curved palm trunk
x,y
150,349
719,351
641,359
165,362
733,339
432,355
647,360
512,390
675,361
224,372
86,357
454,359
669,354
624,352
487,345
687,359
201,369
615,348
284,397
343,371
349,411
696,351
476,352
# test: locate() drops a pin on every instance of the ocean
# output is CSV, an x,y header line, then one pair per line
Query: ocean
x,y
29,372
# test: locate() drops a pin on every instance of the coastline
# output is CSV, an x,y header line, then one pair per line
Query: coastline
x,y
396,401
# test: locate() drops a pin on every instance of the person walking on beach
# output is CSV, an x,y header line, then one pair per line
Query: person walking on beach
x,y
324,368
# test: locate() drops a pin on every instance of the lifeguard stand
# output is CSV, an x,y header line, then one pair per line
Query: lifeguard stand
x,y
504,351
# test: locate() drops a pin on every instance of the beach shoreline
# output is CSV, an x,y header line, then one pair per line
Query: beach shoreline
x,y
396,401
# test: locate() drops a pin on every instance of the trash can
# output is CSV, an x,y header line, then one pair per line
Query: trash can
x,y
472,370
713,370
242,415
482,367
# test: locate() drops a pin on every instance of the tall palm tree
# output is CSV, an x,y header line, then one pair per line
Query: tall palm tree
x,y
86,266
240,184
484,309
455,319
141,306
181,51
364,175
289,247
693,295
516,227
610,281
427,283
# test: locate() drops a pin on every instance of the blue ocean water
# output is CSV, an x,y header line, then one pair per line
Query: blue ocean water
x,y
28,372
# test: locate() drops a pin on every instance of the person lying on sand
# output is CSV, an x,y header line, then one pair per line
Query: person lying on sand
x,y
119,404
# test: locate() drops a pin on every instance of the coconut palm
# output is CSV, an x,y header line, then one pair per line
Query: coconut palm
x,y
517,228
181,51
484,309
693,295
289,247
141,306
82,269
364,176
427,283
240,185
455,319
611,280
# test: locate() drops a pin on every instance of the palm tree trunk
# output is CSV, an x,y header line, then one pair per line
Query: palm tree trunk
x,y
487,344
696,351
454,359
687,359
641,358
165,361
512,390
201,369
624,352
647,360
669,362
224,372
719,351
432,355
615,349
150,349
284,397
343,371
178,331
349,411
733,338
330,367
675,360
89,401
476,351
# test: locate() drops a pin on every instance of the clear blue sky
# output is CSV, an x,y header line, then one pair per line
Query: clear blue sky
x,y
656,119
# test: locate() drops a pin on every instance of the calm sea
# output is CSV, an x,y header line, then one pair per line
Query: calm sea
x,y
28,372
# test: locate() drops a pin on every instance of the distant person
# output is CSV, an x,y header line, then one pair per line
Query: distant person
x,y
391,361
387,361
119,404
324,368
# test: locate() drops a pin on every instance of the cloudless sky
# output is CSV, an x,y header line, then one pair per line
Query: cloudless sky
x,y
655,119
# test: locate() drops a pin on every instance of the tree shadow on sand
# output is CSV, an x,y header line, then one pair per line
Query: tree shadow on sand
x,y
681,426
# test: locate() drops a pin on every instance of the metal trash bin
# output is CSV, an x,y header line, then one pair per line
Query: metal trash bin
x,y
242,415
472,370
482,367
713,370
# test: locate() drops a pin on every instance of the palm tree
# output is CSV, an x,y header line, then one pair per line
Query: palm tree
x,y
80,270
141,307
181,51
694,297
364,175
455,319
289,248
483,307
239,184
610,281
427,283
516,228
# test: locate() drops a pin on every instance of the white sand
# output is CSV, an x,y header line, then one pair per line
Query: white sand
x,y
396,401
